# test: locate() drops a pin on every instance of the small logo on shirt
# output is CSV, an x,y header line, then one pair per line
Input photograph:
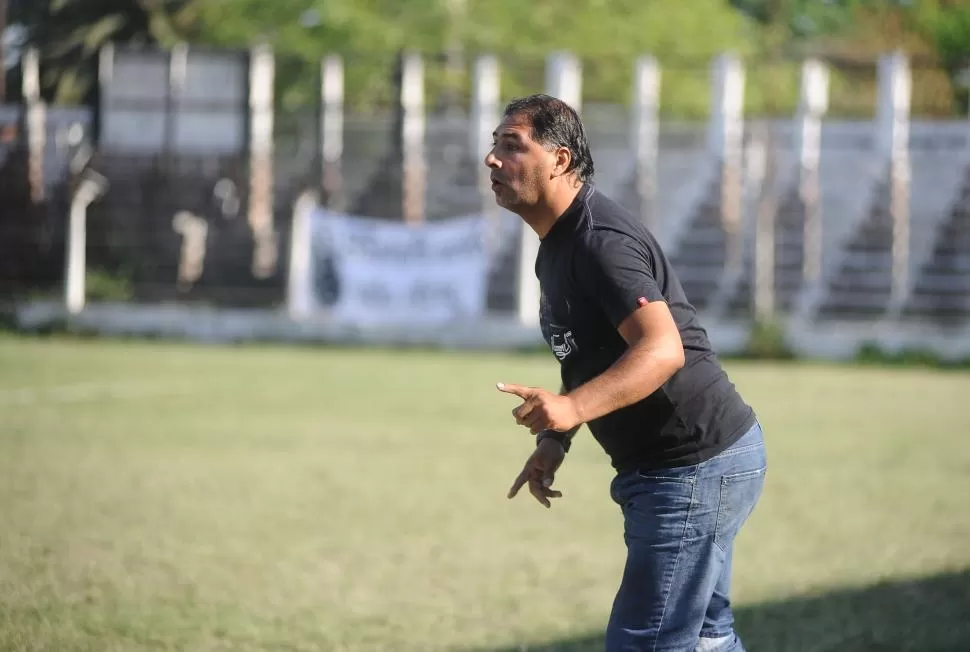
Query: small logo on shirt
x,y
562,344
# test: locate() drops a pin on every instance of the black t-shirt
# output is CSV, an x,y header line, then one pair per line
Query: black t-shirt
x,y
594,266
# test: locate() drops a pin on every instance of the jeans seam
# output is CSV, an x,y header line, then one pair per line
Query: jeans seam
x,y
673,573
723,635
736,451
666,478
687,473
743,475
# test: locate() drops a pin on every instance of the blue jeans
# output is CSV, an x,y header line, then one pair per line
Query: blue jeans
x,y
679,528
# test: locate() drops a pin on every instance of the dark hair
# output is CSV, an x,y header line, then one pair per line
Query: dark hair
x,y
554,123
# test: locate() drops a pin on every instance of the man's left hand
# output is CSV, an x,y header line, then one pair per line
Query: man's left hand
x,y
543,410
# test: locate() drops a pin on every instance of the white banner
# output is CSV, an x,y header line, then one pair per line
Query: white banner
x,y
371,272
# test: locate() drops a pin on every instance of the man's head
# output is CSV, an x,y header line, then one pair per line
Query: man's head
x,y
540,153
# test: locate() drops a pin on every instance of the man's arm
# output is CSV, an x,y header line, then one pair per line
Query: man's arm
x,y
616,272
654,354
632,301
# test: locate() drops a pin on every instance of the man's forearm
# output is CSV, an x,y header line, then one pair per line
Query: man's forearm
x,y
639,372
572,431
566,435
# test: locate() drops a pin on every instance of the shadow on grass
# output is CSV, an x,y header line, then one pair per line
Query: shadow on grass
x,y
930,614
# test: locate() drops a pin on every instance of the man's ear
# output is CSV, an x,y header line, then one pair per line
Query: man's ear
x,y
564,158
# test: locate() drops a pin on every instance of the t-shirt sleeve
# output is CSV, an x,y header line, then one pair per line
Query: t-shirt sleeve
x,y
615,271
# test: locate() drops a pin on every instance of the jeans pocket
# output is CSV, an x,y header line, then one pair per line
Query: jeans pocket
x,y
656,510
739,492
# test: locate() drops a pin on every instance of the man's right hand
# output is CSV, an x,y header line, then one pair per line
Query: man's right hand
x,y
540,471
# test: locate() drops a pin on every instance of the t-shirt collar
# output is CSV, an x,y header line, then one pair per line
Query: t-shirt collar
x,y
570,217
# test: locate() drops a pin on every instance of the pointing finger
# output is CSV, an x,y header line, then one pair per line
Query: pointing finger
x,y
519,481
518,390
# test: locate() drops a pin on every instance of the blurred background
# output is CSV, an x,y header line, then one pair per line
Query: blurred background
x,y
802,162
310,171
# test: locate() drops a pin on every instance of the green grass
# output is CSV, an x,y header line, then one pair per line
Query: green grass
x,y
167,496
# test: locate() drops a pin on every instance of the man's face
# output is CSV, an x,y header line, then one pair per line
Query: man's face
x,y
520,167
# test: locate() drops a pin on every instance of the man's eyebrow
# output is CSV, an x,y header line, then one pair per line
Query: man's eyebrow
x,y
507,134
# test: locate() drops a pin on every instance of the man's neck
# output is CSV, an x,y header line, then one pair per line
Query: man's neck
x,y
544,215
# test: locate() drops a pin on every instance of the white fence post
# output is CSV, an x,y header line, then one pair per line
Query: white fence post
x,y
89,189
36,124
892,116
413,126
484,118
332,130
765,222
261,74
485,107
811,108
725,137
178,66
563,81
564,78
194,231
646,130
299,285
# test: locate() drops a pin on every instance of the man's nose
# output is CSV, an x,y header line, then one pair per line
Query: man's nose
x,y
491,161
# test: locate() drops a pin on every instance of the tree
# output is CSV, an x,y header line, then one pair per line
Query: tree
x,y
947,25
876,29
69,33
369,33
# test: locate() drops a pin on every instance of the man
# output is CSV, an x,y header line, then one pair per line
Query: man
x,y
638,369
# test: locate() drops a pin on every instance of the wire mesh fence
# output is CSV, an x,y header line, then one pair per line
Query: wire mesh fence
x,y
201,185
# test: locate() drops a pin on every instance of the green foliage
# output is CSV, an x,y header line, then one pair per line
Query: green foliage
x,y
104,286
947,25
800,18
370,33
684,36
69,33
875,29
8,319
871,353
768,341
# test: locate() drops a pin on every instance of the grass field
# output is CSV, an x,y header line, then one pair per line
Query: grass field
x,y
168,496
